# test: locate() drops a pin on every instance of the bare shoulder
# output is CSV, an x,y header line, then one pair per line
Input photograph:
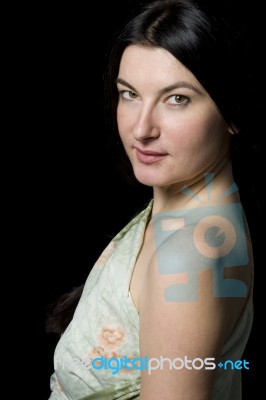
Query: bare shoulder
x,y
196,287
209,238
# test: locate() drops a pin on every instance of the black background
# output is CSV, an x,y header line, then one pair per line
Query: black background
x,y
72,197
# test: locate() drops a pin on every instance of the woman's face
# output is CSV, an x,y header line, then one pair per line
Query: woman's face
x,y
171,129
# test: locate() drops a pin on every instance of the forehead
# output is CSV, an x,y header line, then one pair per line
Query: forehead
x,y
154,66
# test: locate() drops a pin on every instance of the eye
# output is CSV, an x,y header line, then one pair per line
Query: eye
x,y
177,100
128,95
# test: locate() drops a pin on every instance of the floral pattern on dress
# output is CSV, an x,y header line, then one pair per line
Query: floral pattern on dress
x,y
97,352
105,324
111,338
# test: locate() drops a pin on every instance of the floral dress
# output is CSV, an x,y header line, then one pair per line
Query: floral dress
x,y
105,327
106,323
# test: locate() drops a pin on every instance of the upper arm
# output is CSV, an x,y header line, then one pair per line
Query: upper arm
x,y
182,319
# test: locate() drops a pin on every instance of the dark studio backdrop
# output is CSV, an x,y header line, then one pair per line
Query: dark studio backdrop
x,y
82,201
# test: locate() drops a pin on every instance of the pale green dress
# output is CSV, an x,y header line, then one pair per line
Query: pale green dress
x,y
106,323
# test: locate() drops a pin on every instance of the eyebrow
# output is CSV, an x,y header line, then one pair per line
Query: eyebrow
x,y
177,85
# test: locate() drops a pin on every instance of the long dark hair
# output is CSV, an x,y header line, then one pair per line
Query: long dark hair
x,y
209,38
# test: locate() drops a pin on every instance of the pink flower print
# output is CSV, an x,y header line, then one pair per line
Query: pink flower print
x,y
96,352
111,338
106,254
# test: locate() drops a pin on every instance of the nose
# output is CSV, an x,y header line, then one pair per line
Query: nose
x,y
146,127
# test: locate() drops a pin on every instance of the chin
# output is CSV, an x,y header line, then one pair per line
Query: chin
x,y
152,180
163,179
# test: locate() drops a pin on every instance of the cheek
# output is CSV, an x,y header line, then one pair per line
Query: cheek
x,y
200,134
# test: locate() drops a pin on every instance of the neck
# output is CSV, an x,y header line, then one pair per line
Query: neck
x,y
196,193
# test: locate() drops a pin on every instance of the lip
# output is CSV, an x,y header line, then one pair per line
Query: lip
x,y
149,156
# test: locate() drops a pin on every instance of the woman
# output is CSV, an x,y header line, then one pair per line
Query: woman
x,y
166,311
